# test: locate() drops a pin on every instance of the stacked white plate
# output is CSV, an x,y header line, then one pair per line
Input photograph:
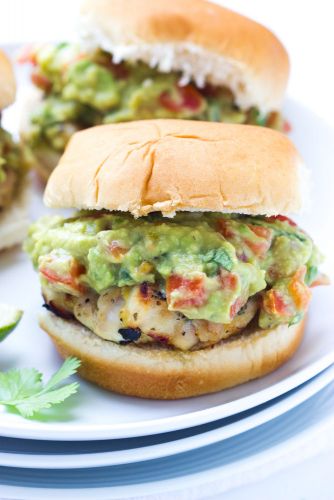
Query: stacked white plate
x,y
115,446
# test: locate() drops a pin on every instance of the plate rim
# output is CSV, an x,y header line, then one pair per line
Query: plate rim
x,y
174,447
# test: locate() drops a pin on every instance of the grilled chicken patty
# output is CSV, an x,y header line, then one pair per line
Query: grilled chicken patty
x,y
140,314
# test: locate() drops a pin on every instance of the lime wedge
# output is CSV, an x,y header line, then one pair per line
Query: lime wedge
x,y
9,318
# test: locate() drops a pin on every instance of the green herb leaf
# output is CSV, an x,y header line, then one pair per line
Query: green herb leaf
x,y
222,258
27,407
296,319
311,274
68,368
23,389
22,383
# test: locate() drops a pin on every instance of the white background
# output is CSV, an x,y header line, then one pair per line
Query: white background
x,y
307,30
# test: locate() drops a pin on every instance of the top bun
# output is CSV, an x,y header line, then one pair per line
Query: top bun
x,y
170,165
205,42
7,81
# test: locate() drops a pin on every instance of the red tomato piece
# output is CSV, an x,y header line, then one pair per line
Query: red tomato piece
x,y
68,280
225,229
261,231
229,281
321,279
41,81
188,98
282,218
192,292
273,303
236,306
258,248
287,127
299,291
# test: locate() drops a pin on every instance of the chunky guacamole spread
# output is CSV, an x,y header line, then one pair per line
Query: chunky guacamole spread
x,y
10,168
82,90
204,270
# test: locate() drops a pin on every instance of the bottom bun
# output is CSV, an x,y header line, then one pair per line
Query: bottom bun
x,y
160,373
14,220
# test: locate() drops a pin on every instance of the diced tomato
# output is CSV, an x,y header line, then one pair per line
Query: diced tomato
x,y
282,218
225,229
41,81
259,248
192,292
229,281
236,306
321,279
261,231
299,291
116,250
261,245
27,55
273,303
188,98
287,127
70,279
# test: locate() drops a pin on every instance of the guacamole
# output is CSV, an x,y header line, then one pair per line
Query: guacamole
x,y
10,168
85,89
206,266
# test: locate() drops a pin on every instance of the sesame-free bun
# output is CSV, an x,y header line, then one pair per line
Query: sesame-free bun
x,y
173,165
204,41
7,82
161,373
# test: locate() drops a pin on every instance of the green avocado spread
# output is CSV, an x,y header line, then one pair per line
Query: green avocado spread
x,y
207,265
12,166
86,89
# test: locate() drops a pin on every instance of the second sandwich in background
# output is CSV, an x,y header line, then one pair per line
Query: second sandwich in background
x,y
142,59
13,162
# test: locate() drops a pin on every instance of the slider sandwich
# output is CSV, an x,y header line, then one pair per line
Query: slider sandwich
x,y
144,59
181,273
13,209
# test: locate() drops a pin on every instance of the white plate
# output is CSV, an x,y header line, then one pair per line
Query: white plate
x,y
188,475
95,414
63,455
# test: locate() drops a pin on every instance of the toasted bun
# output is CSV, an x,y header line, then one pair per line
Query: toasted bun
x,y
7,81
165,374
205,42
14,220
171,165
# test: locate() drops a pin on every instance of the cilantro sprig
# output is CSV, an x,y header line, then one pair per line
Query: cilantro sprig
x,y
23,389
